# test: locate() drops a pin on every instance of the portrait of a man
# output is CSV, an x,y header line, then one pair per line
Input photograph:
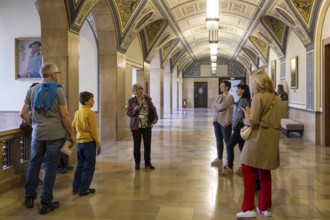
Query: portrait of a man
x,y
29,58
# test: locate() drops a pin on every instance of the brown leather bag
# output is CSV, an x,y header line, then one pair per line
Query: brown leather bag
x,y
25,126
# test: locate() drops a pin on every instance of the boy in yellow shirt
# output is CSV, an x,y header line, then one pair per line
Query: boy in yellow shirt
x,y
85,126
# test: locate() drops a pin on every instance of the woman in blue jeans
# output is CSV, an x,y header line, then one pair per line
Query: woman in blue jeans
x,y
243,92
223,107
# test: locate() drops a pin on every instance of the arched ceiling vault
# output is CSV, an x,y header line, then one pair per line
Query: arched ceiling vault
x,y
176,28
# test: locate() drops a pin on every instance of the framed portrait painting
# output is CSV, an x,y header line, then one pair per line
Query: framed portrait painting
x,y
294,72
273,71
28,57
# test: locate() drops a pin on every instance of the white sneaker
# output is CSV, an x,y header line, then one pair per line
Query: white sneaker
x,y
265,213
216,162
227,171
238,171
247,214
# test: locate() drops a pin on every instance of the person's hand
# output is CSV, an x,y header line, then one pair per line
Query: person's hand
x,y
136,108
247,111
155,121
72,140
98,149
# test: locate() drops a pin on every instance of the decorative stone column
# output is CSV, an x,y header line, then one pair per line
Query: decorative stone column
x,y
146,74
167,90
157,85
60,46
180,89
174,81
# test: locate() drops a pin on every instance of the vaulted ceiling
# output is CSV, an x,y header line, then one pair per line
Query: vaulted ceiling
x,y
248,29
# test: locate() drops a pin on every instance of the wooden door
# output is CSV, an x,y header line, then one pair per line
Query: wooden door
x,y
200,94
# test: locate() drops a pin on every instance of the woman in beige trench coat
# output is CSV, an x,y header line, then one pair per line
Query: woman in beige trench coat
x,y
261,152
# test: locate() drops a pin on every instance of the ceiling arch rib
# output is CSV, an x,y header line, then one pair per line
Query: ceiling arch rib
x,y
167,50
262,33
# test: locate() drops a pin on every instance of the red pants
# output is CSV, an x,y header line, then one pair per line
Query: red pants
x,y
265,196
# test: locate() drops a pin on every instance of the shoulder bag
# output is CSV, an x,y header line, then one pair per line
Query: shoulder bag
x,y
246,130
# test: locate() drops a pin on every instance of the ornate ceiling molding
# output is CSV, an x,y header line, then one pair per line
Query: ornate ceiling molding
x,y
167,50
261,46
175,57
304,9
276,28
77,11
262,33
253,57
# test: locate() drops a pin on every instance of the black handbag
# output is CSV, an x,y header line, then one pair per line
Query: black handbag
x,y
151,116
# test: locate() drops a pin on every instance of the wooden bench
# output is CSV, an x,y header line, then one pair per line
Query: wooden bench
x,y
290,125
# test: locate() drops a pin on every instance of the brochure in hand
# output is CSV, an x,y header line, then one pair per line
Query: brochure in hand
x,y
66,148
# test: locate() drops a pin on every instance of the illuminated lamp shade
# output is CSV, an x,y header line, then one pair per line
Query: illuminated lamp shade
x,y
212,14
214,48
214,58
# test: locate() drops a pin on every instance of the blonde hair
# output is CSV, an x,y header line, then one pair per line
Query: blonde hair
x,y
261,82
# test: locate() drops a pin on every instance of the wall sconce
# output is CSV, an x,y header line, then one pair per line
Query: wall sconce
x,y
212,14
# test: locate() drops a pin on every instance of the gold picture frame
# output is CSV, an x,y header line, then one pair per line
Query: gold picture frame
x,y
294,72
273,71
28,58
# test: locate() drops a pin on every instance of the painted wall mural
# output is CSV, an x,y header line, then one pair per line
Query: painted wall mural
x,y
304,8
276,27
260,45
126,10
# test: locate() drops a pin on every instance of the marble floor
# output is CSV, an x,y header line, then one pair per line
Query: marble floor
x,y
184,186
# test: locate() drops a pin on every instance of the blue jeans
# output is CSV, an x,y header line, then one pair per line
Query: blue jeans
x,y
83,176
49,153
234,139
220,134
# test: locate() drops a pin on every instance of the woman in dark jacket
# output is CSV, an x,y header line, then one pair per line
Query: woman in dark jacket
x,y
243,92
143,115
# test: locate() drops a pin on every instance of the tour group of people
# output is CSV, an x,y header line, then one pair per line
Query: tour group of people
x,y
45,108
259,153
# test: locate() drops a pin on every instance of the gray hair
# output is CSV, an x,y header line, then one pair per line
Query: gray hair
x,y
136,86
47,69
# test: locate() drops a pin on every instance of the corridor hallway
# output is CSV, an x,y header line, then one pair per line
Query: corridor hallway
x,y
184,186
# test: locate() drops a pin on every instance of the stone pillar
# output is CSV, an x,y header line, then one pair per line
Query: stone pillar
x,y
146,75
174,80
112,76
140,78
167,90
61,47
120,93
128,82
180,89
157,85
